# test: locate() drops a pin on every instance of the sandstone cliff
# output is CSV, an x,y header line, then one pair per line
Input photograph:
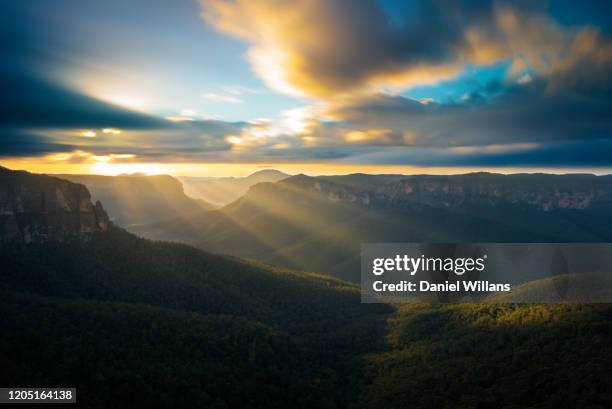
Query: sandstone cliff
x,y
38,208
543,192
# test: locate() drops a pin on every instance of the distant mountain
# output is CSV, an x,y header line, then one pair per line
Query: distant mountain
x,y
138,199
535,191
319,223
222,191
39,208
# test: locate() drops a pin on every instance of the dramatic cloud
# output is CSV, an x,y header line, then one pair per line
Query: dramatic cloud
x,y
593,153
34,107
42,116
17,142
323,48
39,117
497,114
29,101
348,55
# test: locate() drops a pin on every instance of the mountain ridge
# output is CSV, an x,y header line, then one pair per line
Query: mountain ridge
x,y
455,190
317,223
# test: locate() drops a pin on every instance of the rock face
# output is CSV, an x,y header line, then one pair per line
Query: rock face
x,y
39,208
539,191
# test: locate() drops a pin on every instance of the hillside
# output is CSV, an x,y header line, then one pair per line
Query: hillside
x,y
138,199
193,328
224,190
493,355
119,295
578,288
135,355
318,224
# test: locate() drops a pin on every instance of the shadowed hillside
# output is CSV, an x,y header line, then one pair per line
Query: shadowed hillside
x,y
189,326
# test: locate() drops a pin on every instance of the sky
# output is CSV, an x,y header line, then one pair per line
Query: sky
x,y
226,87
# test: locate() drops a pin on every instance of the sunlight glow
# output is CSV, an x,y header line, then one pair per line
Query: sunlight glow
x,y
128,101
113,169
77,163
234,140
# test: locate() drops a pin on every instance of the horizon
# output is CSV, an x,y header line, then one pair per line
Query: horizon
x,y
438,172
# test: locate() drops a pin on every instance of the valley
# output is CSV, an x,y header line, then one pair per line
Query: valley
x,y
319,223
120,316
223,190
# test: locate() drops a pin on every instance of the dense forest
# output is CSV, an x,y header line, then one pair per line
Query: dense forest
x,y
129,320
132,322
493,356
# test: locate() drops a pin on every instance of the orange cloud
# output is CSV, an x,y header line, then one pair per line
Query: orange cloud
x,y
323,48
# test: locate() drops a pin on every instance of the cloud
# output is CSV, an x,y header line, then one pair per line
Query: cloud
x,y
222,98
517,114
42,116
18,142
39,117
325,48
501,123
240,90
34,105
28,100
593,153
